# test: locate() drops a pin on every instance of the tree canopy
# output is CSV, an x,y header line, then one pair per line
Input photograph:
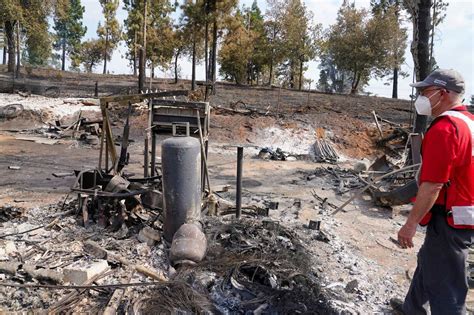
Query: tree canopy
x,y
109,32
250,46
69,31
363,44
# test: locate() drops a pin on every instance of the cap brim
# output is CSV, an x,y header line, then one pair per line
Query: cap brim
x,y
420,84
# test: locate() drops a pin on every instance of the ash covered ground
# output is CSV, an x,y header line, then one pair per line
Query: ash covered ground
x,y
262,263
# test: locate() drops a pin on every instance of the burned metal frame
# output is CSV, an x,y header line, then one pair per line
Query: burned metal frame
x,y
165,115
107,134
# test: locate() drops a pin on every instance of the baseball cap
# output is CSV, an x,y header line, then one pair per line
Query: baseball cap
x,y
445,78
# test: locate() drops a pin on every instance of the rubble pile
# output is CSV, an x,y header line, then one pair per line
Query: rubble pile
x,y
108,252
257,266
337,178
85,131
388,184
355,286
250,265
52,248
275,155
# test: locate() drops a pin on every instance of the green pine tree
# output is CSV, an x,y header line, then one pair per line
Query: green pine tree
x,y
160,35
133,30
255,23
109,33
236,51
91,53
362,44
28,21
69,31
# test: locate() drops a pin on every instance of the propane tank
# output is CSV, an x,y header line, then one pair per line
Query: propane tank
x,y
181,167
189,245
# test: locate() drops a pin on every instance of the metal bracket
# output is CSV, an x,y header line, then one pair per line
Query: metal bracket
x,y
180,124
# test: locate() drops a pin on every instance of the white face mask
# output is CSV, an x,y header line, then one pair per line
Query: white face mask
x,y
423,105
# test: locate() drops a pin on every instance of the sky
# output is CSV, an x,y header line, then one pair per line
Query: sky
x,y
454,43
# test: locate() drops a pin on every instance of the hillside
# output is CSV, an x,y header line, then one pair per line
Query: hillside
x,y
347,120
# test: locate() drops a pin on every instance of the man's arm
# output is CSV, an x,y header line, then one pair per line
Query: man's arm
x,y
425,199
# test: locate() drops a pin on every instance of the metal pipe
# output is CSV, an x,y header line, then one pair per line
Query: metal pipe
x,y
145,162
107,194
238,197
153,152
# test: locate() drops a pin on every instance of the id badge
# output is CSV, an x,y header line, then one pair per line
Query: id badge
x,y
463,215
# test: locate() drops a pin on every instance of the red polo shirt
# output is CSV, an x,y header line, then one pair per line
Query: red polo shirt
x,y
447,156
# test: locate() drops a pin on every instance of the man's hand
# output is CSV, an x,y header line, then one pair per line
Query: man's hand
x,y
406,234
425,199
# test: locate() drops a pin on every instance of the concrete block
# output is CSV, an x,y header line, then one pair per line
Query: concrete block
x,y
7,248
81,271
10,247
149,235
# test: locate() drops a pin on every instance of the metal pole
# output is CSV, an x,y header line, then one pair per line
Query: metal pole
x,y
153,152
145,162
106,155
238,197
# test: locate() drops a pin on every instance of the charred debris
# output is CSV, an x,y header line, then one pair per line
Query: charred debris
x,y
196,252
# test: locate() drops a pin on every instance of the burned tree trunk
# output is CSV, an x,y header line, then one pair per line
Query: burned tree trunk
x,y
142,60
214,51
63,55
355,82
420,11
206,48
4,62
135,53
176,66
300,86
18,56
9,30
270,80
5,49
395,83
193,75
141,70
106,50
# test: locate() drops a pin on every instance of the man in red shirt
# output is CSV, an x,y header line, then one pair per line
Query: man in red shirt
x,y
445,199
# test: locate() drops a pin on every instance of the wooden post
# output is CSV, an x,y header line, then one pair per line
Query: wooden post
x,y
238,197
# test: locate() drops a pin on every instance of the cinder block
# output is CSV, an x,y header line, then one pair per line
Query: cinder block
x,y
81,271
